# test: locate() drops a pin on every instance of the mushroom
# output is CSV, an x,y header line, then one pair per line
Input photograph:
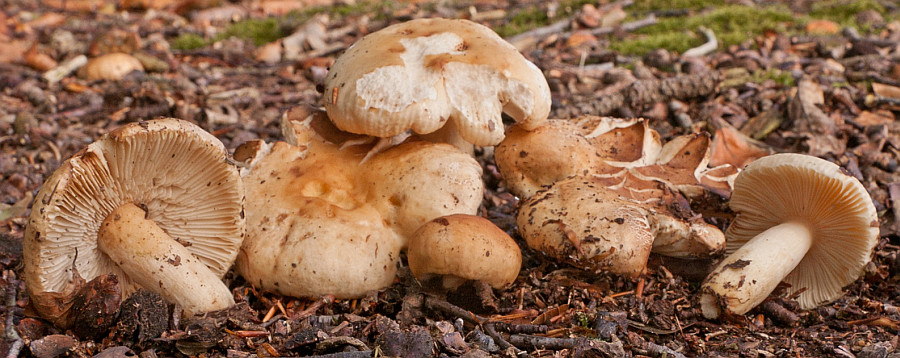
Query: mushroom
x,y
417,181
112,66
457,248
800,220
625,157
322,223
579,221
417,75
154,202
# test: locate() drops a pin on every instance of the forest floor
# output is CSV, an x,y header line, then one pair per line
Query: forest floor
x,y
820,78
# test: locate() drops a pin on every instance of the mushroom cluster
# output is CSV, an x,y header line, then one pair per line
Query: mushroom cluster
x,y
320,221
155,203
800,220
602,192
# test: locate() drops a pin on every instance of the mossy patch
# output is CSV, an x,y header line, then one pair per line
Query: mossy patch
x,y
188,41
731,24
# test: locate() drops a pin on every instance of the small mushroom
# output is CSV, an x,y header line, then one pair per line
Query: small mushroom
x,y
800,220
579,221
417,75
111,67
154,203
457,248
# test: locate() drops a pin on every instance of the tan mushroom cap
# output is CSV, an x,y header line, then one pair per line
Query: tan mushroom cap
x,y
580,222
173,170
464,247
799,212
112,66
419,74
320,222
415,182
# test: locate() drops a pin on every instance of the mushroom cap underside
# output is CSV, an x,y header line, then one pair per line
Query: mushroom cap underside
x,y
833,205
172,168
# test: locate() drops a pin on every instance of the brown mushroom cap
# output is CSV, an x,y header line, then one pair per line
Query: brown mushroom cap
x,y
464,247
579,221
418,74
176,172
793,200
111,66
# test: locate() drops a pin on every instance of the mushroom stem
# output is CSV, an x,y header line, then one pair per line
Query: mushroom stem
x,y
746,277
158,263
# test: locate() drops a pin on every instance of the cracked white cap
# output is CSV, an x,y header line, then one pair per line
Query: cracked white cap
x,y
419,74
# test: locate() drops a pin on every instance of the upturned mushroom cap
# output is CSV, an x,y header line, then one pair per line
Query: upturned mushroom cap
x,y
176,172
464,247
419,74
827,209
415,182
112,66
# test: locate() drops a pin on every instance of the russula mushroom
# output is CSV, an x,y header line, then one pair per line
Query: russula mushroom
x,y
322,223
579,221
800,220
154,202
112,66
417,75
457,248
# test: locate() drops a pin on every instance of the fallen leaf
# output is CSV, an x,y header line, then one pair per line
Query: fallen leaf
x,y
888,91
822,27
729,146
877,117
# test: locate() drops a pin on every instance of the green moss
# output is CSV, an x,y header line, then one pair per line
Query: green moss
x,y
522,21
533,17
188,42
843,11
260,31
783,78
732,24
641,6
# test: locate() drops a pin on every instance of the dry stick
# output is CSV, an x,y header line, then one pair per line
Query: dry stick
x,y
779,313
11,333
447,307
521,328
627,27
704,49
551,343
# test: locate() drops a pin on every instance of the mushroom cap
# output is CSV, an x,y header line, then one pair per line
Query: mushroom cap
x,y
464,246
418,74
833,205
308,232
415,182
112,66
173,168
579,221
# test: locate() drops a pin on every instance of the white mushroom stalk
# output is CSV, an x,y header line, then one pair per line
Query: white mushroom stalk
x,y
800,220
154,203
154,260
